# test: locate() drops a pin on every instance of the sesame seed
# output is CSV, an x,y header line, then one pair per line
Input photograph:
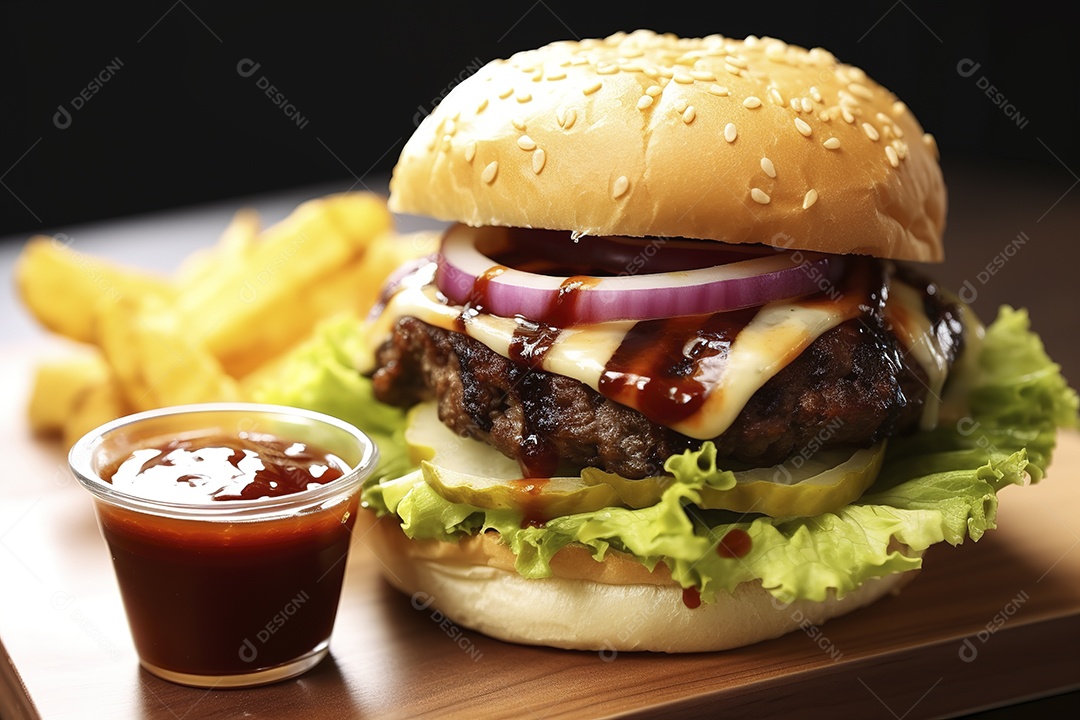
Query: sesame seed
x,y
751,102
523,97
776,97
592,87
689,114
901,148
809,199
815,93
730,133
807,105
446,140
832,144
848,117
759,196
470,151
506,93
883,118
571,118
488,175
644,101
802,127
894,159
450,127
651,72
681,105
871,131
665,72
898,107
719,90
518,123
703,75
607,69
557,75
860,91
731,69
653,90
483,104
768,167
538,159
526,143
683,79
794,104
737,61
621,186
896,129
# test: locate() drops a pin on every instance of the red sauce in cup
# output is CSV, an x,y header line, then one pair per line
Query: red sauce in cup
x,y
229,527
221,598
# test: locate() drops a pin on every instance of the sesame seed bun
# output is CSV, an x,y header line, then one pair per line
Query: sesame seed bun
x,y
741,141
614,606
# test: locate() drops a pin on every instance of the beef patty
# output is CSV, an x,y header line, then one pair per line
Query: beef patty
x,y
853,385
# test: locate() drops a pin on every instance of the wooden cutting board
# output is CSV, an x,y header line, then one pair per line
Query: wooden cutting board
x,y
984,624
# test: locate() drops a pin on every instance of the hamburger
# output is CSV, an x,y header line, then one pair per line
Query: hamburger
x,y
675,379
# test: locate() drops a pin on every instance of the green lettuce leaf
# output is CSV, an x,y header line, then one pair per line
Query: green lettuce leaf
x,y
321,375
938,486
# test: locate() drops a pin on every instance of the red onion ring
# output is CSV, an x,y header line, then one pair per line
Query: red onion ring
x,y
470,277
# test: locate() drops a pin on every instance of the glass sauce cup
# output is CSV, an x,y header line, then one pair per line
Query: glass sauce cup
x,y
228,593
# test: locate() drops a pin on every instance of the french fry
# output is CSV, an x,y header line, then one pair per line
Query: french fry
x,y
199,273
252,315
156,361
229,314
99,404
61,286
59,385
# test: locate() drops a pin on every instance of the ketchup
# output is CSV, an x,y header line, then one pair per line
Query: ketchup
x,y
691,598
528,492
241,467
735,544
219,596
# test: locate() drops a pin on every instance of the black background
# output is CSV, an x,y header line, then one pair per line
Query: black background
x,y
177,124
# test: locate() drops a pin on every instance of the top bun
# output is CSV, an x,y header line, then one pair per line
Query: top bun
x,y
741,141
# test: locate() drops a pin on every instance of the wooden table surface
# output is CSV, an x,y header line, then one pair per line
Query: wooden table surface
x,y
62,624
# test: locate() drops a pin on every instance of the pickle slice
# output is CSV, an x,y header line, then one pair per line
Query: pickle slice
x,y
538,499
464,470
826,481
426,438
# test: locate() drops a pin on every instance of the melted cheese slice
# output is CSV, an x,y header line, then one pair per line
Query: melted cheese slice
x,y
776,335
904,310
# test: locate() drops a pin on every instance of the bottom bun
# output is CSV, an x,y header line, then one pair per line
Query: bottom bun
x,y
610,606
